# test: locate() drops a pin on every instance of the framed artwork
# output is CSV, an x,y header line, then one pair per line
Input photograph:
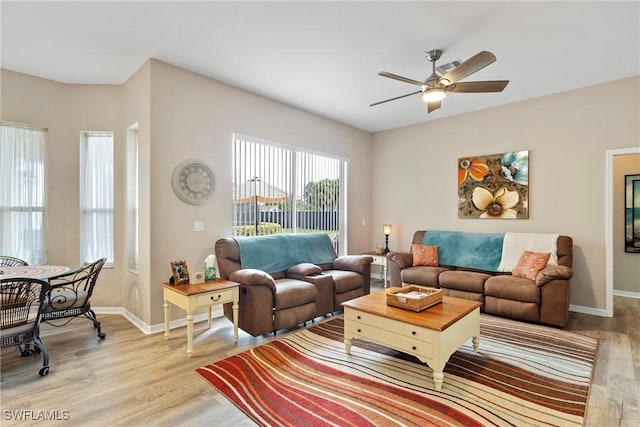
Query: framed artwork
x,y
494,186
180,272
632,213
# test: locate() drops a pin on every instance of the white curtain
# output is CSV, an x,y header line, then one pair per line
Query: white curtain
x,y
22,192
96,197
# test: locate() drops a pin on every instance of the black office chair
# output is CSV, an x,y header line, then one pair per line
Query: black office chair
x,y
21,304
9,261
69,296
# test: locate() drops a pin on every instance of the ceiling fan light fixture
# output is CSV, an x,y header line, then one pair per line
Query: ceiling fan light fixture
x,y
435,94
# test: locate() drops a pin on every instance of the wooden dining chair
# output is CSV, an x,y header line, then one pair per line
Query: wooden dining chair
x,y
21,305
69,296
9,261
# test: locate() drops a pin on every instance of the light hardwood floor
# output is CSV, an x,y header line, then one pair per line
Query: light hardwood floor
x,y
131,379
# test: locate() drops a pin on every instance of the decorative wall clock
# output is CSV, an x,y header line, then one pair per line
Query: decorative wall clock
x,y
193,182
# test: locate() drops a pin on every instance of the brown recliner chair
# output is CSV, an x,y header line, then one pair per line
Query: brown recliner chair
x,y
301,291
268,302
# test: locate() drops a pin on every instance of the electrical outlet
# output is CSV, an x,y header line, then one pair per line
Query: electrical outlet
x,y
198,225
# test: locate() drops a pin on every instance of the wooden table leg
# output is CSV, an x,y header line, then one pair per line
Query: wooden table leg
x,y
166,320
235,307
189,333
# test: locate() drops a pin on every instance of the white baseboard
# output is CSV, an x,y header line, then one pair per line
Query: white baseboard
x,y
158,327
588,310
627,294
217,312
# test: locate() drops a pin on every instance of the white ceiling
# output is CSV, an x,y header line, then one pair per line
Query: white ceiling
x,y
324,57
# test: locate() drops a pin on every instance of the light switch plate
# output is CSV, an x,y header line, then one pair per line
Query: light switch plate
x,y
198,225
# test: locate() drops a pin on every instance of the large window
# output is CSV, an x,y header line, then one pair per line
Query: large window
x,y
22,192
284,189
96,197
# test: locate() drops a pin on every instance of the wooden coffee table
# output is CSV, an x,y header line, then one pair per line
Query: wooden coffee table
x,y
431,335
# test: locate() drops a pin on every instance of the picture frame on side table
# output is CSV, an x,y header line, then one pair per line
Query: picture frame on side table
x,y
180,272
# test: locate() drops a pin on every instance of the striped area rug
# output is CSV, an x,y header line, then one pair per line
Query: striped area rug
x,y
523,375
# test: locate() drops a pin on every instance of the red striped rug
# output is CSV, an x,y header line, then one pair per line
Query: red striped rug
x,y
523,375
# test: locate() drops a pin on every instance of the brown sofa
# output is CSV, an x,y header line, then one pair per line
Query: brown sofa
x,y
544,300
299,290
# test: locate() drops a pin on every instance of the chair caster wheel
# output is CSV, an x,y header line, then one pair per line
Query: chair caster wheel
x,y
28,352
44,371
102,335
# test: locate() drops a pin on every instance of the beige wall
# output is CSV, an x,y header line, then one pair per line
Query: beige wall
x,y
184,115
66,111
626,266
194,117
567,136
180,115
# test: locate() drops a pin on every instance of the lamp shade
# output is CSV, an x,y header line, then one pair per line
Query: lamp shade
x,y
386,229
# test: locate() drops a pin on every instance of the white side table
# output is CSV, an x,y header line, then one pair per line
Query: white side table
x,y
381,260
207,294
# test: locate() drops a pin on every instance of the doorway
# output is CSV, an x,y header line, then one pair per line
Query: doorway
x,y
609,222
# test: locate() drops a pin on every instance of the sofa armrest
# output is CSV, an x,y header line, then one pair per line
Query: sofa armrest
x,y
555,272
355,263
304,269
402,259
398,261
252,277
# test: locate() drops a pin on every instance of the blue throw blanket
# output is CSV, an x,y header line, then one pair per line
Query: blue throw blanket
x,y
481,251
278,252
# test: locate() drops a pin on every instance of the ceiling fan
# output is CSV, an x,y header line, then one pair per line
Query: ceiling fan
x,y
435,87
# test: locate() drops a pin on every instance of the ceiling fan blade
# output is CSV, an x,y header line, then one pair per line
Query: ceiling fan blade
x,y
393,99
400,78
433,105
478,87
470,66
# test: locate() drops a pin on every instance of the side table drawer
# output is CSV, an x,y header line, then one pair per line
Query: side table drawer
x,y
215,298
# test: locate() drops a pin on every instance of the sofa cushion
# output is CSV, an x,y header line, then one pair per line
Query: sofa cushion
x,y
292,293
512,288
344,281
422,275
469,281
471,296
527,311
530,264
424,255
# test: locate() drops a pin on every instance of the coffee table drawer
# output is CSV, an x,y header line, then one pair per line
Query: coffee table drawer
x,y
390,325
391,339
218,297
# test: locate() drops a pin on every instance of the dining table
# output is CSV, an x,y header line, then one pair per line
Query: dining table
x,y
42,271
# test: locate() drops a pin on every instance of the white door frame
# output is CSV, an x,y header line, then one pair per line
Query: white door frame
x,y
608,219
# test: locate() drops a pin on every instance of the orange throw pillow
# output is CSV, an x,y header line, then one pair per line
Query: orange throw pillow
x,y
530,264
424,255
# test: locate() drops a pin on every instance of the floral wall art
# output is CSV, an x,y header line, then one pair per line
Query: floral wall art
x,y
494,186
